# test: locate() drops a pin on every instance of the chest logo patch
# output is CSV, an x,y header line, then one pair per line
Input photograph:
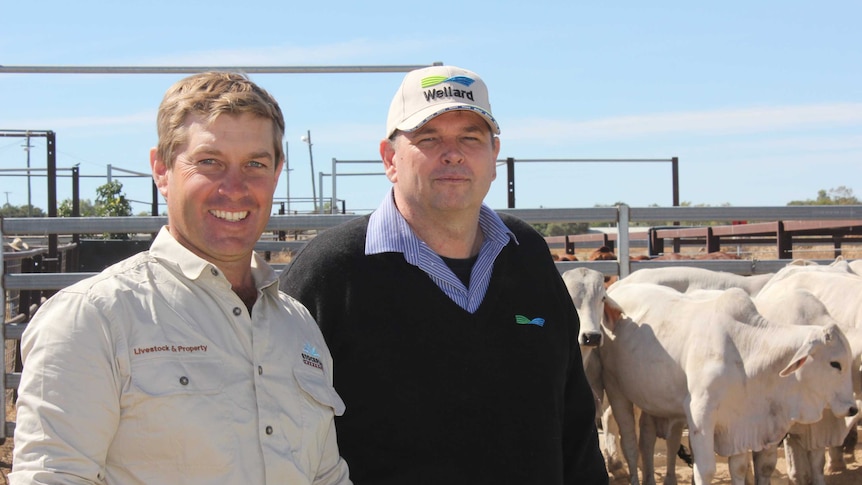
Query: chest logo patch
x,y
311,357
522,320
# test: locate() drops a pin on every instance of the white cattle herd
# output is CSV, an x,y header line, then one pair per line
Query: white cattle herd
x,y
743,363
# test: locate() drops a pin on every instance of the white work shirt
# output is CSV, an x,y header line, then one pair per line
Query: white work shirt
x,y
154,372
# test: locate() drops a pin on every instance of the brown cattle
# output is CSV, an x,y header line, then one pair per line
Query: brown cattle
x,y
603,253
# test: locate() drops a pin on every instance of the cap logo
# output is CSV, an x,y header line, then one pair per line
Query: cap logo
x,y
446,91
435,80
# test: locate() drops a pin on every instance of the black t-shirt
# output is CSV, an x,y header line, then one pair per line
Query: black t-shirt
x,y
461,267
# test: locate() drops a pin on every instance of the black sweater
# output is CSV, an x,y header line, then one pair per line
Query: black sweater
x,y
436,395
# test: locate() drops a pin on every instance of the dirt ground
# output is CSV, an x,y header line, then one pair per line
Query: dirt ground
x,y
851,476
6,448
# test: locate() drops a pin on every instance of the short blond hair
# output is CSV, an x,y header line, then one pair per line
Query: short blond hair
x,y
211,94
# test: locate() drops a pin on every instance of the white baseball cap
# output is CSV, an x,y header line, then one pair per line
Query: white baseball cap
x,y
432,91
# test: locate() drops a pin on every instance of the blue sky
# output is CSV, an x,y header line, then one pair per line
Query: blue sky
x,y
761,101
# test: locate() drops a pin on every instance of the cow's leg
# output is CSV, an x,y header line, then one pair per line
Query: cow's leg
x,y
737,465
701,435
764,464
673,440
623,411
612,451
646,443
836,460
816,460
797,457
849,446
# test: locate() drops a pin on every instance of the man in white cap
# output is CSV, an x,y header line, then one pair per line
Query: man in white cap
x,y
453,335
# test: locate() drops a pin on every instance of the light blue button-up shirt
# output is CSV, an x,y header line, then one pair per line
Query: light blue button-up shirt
x,y
388,231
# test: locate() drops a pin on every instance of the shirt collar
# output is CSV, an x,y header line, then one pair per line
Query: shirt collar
x,y
388,231
171,253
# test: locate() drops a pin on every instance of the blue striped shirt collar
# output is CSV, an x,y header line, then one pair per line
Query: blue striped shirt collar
x,y
388,231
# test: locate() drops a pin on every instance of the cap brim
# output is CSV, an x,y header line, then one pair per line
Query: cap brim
x,y
418,119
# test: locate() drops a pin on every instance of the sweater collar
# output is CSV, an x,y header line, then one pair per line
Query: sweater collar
x,y
388,231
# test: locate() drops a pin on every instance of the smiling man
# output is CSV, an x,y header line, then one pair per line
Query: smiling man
x,y
185,363
454,335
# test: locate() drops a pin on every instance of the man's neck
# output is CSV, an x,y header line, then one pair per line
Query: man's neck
x,y
242,283
454,237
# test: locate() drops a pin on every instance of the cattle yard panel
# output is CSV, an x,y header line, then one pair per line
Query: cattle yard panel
x,y
782,234
800,220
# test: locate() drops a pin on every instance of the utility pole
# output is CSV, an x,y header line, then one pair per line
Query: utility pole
x,y
307,139
27,148
287,174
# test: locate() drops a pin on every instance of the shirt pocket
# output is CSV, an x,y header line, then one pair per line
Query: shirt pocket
x,y
166,377
317,387
176,414
320,403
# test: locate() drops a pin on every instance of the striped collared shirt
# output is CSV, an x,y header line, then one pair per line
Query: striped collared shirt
x,y
388,231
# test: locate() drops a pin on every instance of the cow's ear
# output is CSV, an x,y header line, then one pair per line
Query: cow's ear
x,y
613,314
793,366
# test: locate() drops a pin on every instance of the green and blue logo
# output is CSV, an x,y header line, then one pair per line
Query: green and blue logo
x,y
522,320
435,80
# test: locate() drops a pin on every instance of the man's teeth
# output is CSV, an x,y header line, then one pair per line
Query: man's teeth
x,y
230,216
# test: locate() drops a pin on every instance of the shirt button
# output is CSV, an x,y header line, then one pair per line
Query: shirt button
x,y
259,370
269,430
237,311
214,271
184,380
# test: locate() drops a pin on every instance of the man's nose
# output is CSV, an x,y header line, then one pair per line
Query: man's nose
x,y
234,185
452,152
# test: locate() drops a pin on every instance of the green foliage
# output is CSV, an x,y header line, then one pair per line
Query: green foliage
x,y
836,196
541,227
561,229
110,200
9,210
86,208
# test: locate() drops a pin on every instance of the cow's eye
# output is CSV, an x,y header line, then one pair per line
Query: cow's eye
x,y
835,365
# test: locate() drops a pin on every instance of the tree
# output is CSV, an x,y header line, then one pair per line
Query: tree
x,y
110,200
840,195
561,228
9,210
86,208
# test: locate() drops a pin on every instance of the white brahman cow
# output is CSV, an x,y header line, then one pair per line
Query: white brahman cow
x,y
738,381
805,444
587,290
831,284
685,279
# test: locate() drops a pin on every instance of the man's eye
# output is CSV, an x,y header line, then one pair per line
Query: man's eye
x,y
207,161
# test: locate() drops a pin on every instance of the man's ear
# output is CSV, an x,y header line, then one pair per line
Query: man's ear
x,y
160,172
387,154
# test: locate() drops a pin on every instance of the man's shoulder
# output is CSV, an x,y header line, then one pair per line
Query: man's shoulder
x,y
342,238
124,270
328,251
520,228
